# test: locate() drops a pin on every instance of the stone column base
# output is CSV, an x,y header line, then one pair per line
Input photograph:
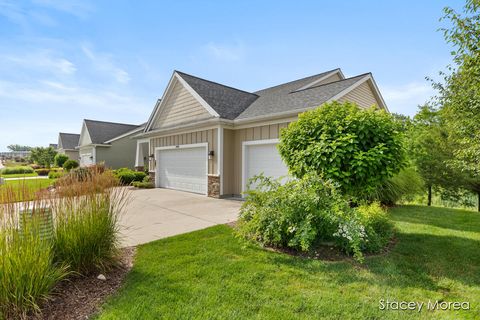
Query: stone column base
x,y
151,174
140,168
214,186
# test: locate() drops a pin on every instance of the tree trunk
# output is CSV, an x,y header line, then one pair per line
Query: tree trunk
x,y
429,203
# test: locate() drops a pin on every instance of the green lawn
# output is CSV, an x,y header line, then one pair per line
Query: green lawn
x,y
210,274
31,185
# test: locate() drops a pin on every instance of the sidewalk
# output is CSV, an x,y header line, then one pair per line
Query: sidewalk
x,y
26,178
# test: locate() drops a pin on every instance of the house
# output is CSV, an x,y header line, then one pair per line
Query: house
x,y
108,142
53,146
209,138
67,142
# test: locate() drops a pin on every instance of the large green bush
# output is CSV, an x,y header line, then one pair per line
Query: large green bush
x,y
17,170
358,148
60,159
306,212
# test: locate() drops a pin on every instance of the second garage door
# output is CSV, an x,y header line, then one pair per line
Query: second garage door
x,y
262,157
183,168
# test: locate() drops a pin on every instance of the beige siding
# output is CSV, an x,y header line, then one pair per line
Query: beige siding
x,y
209,136
233,141
361,95
179,107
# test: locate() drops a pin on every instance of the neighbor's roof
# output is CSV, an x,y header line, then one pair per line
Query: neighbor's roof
x,y
101,131
228,102
287,97
68,141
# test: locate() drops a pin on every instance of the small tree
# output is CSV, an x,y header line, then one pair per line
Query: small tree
x,y
43,156
60,159
358,148
70,164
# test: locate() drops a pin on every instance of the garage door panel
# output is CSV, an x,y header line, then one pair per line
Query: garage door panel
x,y
183,169
263,158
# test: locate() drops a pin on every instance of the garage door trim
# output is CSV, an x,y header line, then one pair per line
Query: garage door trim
x,y
181,146
245,144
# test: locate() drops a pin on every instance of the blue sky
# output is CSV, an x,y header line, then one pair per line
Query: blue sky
x,y
63,61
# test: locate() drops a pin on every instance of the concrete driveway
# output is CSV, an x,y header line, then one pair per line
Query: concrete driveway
x,y
158,213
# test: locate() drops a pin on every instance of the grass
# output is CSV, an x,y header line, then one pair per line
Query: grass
x,y
210,274
25,189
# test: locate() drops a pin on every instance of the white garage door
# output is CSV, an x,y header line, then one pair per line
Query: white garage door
x,y
183,169
262,158
86,160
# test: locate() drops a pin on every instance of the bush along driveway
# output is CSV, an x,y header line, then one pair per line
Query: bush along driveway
x,y
213,274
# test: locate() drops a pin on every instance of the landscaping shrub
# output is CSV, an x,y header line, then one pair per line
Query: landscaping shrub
x,y
378,228
55,174
86,227
43,172
70,164
359,149
27,269
306,212
60,159
17,170
127,176
146,183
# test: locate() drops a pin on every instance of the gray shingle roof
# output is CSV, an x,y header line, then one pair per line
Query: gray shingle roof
x,y
68,141
101,131
228,102
285,97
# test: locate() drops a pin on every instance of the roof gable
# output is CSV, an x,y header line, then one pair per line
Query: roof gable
x,y
68,141
178,105
100,131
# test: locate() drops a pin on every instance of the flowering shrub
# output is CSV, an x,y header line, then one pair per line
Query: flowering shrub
x,y
303,213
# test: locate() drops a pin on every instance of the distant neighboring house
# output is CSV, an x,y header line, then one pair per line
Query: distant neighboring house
x,y
209,138
108,142
67,142
53,145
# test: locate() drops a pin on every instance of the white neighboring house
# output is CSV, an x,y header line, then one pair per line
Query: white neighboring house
x,y
109,143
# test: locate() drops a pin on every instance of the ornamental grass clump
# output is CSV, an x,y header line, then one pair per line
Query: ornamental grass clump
x,y
28,272
88,209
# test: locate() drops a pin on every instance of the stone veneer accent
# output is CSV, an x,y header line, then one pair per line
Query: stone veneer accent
x,y
151,174
214,186
140,168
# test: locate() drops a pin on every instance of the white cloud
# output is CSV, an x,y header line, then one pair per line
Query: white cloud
x,y
407,97
225,52
40,60
104,63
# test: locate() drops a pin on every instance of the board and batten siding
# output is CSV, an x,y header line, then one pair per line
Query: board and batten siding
x,y
209,136
361,95
232,161
179,107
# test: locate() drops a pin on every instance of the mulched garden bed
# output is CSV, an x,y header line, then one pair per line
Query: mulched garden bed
x,y
80,298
